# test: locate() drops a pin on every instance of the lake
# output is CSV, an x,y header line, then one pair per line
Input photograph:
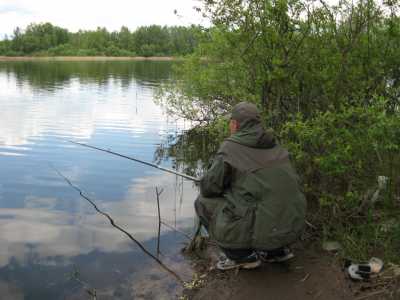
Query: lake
x,y
53,244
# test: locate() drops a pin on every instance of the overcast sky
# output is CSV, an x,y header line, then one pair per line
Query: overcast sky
x,y
88,14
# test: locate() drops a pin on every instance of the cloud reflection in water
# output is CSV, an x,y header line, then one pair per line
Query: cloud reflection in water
x,y
45,226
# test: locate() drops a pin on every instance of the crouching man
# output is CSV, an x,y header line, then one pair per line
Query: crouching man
x,y
250,201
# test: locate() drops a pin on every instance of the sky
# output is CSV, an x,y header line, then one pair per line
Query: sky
x,y
89,14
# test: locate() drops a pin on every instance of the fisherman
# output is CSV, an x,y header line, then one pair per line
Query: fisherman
x,y
250,200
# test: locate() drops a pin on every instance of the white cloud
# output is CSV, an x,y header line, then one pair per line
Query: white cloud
x,y
88,14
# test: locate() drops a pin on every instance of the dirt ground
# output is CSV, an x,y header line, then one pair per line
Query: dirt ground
x,y
312,274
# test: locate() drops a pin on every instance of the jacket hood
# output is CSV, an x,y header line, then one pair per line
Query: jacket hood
x,y
252,134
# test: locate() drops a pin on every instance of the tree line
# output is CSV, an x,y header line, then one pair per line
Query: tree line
x,y
154,40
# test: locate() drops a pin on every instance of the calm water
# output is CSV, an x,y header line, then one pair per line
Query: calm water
x,y
46,229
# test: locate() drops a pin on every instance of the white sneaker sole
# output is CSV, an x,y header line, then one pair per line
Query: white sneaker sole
x,y
252,265
246,266
280,259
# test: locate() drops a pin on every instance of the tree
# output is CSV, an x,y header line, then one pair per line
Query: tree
x,y
289,56
125,39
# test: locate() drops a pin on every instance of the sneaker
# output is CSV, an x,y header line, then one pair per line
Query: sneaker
x,y
285,255
250,262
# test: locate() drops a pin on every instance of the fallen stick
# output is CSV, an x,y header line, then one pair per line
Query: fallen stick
x,y
305,277
177,277
311,225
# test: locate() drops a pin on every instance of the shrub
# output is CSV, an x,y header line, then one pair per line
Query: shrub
x,y
62,50
344,151
115,51
88,52
339,156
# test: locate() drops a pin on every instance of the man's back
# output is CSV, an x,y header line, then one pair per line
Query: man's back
x,y
264,207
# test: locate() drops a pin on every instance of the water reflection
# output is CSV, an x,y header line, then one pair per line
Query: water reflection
x,y
45,226
58,232
191,150
53,75
74,111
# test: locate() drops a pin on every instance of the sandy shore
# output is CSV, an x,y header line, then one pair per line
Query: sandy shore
x,y
86,58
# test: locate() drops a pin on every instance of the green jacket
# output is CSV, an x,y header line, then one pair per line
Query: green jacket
x,y
264,207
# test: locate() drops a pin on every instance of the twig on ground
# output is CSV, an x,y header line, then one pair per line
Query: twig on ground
x,y
305,277
307,234
311,225
112,222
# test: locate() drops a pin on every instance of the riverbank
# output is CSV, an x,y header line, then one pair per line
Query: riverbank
x,y
313,274
88,58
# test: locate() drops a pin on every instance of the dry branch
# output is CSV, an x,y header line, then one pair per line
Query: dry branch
x,y
112,222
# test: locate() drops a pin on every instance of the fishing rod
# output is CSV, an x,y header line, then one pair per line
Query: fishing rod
x,y
138,160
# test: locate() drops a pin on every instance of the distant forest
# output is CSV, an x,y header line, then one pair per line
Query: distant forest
x,y
46,39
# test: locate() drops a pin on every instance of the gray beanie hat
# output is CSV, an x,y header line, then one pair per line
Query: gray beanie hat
x,y
245,111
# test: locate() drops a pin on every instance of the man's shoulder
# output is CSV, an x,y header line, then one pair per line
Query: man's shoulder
x,y
227,145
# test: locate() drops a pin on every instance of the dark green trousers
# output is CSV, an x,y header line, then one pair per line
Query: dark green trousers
x,y
206,209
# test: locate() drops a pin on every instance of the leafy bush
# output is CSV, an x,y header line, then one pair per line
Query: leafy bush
x,y
115,51
339,156
148,50
9,52
62,50
88,52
